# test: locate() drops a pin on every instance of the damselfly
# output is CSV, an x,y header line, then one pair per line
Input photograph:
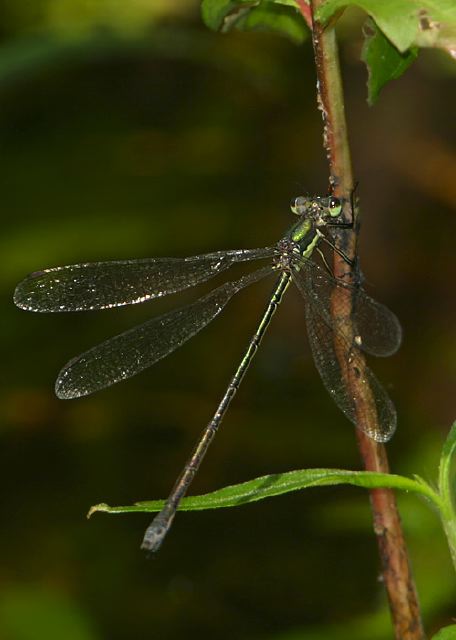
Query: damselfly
x,y
104,285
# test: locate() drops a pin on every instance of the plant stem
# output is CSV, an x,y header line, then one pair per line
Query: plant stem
x,y
397,577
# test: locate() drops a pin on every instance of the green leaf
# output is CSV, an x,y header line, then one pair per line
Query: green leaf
x,y
277,484
445,478
447,633
276,18
384,62
446,482
214,12
406,23
279,16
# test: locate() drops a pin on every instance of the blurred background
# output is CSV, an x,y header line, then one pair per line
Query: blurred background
x,y
136,132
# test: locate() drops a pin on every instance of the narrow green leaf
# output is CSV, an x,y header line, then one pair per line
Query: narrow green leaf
x,y
279,16
384,62
447,633
277,484
407,23
446,488
449,446
445,476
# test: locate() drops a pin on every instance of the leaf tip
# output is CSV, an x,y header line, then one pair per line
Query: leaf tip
x,y
98,507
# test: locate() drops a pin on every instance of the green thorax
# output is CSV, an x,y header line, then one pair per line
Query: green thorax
x,y
304,233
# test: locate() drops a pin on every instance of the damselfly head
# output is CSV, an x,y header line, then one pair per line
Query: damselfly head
x,y
320,209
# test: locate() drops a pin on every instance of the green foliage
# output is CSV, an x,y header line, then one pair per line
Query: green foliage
x,y
215,12
384,62
445,468
278,484
92,171
446,488
447,633
394,32
279,16
407,23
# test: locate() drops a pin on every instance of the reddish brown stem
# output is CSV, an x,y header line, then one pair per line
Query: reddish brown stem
x,y
306,11
396,570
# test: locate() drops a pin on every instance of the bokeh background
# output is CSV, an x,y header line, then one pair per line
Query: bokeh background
x,y
133,131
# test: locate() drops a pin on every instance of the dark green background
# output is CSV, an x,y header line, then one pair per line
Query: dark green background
x,y
156,138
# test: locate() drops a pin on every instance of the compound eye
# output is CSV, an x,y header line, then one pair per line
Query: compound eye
x,y
335,207
299,205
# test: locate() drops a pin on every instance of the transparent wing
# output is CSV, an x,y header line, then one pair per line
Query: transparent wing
x,y
378,329
127,354
103,285
321,329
